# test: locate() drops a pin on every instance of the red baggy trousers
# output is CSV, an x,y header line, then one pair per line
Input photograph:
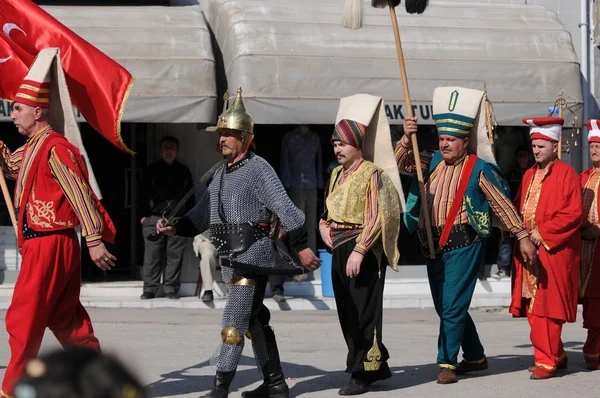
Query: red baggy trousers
x,y
46,295
548,350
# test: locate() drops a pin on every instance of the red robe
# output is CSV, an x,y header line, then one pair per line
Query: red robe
x,y
558,217
590,273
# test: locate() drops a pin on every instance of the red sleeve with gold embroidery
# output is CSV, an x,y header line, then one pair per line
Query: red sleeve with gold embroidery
x,y
371,218
71,179
10,162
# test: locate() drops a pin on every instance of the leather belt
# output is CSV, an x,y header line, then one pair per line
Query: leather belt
x,y
461,235
29,233
230,239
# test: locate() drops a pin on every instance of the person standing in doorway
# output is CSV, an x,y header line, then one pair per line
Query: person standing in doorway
x,y
164,184
301,174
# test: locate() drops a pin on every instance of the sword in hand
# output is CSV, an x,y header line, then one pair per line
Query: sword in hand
x,y
164,226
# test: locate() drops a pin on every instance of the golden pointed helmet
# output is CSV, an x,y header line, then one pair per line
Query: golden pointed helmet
x,y
236,117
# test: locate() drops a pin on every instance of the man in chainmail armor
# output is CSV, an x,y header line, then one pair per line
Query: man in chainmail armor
x,y
239,209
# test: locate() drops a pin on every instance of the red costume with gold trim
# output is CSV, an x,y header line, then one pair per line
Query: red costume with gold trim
x,y
47,290
52,196
550,201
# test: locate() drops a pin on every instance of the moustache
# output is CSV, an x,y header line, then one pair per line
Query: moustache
x,y
445,149
225,146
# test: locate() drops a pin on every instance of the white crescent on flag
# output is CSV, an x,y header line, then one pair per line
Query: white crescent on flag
x,y
10,26
6,28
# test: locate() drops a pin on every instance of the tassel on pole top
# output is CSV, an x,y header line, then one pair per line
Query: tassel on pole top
x,y
412,6
353,10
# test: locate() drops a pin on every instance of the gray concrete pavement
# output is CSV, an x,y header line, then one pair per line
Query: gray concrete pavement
x,y
169,349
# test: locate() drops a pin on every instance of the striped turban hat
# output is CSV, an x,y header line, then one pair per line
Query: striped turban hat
x,y
34,93
349,132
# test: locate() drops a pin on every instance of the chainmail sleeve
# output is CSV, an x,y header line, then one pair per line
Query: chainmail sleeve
x,y
272,195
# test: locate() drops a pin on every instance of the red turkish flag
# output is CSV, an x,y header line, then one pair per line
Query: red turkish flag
x,y
98,85
12,71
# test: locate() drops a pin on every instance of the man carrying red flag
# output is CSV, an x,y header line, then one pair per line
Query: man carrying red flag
x,y
99,86
589,274
52,197
545,290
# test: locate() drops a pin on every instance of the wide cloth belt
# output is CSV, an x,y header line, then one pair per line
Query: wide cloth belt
x,y
230,239
461,235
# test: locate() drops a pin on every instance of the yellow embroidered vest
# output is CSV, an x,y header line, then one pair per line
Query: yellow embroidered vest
x,y
346,205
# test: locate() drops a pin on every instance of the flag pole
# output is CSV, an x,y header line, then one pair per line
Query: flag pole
x,y
413,137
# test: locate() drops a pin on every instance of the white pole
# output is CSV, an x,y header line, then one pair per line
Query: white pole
x,y
585,78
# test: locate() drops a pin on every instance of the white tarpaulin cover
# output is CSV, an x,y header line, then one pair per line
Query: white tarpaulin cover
x,y
295,60
166,49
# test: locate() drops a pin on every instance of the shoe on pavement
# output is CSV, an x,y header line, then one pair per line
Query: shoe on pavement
x,y
172,296
501,275
207,296
562,365
541,373
354,387
446,376
471,366
279,298
147,296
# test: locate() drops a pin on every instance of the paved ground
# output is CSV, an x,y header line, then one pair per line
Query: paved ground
x,y
169,349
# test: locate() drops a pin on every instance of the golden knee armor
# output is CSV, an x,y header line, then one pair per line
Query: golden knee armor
x,y
231,336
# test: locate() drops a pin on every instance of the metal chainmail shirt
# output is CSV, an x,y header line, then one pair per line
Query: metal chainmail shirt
x,y
250,192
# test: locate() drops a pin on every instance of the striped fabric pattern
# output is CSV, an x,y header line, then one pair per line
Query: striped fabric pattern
x,y
10,162
349,132
80,196
453,124
30,149
34,94
442,186
407,163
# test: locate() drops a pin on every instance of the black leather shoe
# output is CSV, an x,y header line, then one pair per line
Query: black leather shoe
x,y
269,389
354,387
147,296
172,296
207,296
221,384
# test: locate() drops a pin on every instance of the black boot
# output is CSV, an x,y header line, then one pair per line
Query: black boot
x,y
221,384
274,385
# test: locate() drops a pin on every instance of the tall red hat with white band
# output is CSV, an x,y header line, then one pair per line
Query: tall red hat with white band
x,y
545,128
593,126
